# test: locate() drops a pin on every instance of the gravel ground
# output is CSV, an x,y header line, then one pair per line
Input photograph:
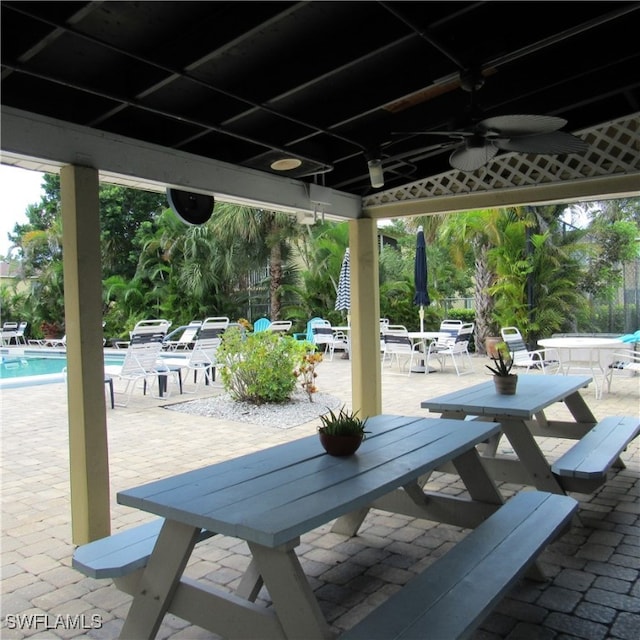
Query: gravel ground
x,y
279,416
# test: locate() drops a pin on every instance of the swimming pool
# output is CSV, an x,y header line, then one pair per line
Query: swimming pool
x,y
23,368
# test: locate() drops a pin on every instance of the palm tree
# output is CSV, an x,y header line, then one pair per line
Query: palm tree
x,y
261,237
184,268
478,231
320,250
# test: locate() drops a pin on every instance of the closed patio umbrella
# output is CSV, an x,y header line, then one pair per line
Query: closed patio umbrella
x,y
421,297
343,298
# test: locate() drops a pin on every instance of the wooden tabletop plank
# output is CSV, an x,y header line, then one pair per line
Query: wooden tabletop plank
x,y
253,466
535,393
275,495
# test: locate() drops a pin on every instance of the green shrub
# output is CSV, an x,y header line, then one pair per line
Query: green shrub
x,y
260,367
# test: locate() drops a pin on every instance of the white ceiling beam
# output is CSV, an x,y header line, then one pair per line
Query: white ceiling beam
x,y
45,144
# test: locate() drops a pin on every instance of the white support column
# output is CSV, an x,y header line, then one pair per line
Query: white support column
x,y
366,385
88,450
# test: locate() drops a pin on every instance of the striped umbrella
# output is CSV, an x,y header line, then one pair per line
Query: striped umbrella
x,y
343,298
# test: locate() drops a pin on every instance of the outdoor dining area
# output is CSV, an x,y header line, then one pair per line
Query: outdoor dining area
x,y
292,542
501,478
468,509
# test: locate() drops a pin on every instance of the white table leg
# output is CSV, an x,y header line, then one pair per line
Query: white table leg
x,y
159,580
293,599
348,524
250,583
580,410
476,479
530,455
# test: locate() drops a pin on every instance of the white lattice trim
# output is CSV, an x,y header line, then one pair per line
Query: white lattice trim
x,y
614,149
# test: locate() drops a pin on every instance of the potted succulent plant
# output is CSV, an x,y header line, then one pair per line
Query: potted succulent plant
x,y
342,434
504,380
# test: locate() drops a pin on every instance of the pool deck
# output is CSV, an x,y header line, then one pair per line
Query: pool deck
x,y
593,592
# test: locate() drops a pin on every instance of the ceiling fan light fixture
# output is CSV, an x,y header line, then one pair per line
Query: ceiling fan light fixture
x,y
285,164
376,175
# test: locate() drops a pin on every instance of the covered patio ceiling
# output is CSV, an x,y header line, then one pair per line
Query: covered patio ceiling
x,y
284,103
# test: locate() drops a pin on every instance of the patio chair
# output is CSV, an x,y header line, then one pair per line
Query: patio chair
x,y
19,337
546,360
310,324
140,364
9,331
454,344
60,343
108,380
384,323
261,324
282,326
187,337
399,347
203,357
624,363
145,327
391,329
326,339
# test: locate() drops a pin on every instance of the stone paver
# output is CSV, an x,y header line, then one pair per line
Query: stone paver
x,y
592,591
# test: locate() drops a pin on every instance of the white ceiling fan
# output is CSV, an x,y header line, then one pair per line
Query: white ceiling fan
x,y
478,143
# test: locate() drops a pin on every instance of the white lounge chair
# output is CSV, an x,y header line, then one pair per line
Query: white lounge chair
x,y
140,364
203,357
9,331
20,337
55,342
145,327
188,334
280,325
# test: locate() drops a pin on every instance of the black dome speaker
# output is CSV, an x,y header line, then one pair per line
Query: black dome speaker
x,y
191,208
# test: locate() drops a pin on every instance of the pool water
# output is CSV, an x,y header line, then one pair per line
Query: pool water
x,y
21,366
22,369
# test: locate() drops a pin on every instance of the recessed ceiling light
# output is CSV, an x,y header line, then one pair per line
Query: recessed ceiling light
x,y
286,164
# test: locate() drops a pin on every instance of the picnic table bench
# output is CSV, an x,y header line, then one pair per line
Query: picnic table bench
x,y
522,416
454,595
269,498
584,467
121,553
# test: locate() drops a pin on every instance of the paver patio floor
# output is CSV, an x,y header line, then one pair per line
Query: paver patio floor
x,y
593,591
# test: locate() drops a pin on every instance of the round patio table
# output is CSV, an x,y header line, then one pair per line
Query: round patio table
x,y
594,354
424,337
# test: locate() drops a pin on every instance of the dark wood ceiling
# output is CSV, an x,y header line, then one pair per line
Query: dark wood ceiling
x,y
328,83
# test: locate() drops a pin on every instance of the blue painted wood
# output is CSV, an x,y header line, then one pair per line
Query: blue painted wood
x,y
595,453
534,394
121,553
451,597
273,496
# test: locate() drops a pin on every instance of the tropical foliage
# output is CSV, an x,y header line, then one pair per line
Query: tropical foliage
x,y
260,367
522,266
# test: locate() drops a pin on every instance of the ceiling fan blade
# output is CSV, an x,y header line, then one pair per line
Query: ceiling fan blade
x,y
556,142
467,158
456,135
520,125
